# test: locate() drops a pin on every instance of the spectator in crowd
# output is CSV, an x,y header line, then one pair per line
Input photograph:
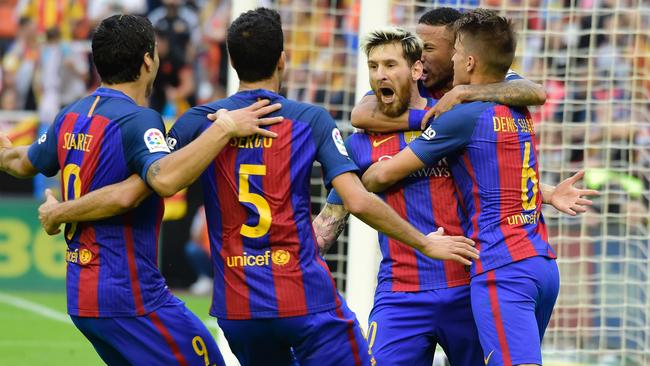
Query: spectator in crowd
x,y
19,64
197,253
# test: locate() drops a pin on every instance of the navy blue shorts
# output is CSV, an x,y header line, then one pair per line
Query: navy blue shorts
x,y
325,338
512,306
171,335
404,327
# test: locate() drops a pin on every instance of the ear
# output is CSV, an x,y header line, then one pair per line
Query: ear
x,y
471,64
148,61
282,62
417,70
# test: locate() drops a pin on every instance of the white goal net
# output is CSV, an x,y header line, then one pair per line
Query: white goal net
x,y
593,57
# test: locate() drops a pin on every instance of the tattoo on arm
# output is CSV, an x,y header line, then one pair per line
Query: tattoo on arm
x,y
515,93
329,224
153,171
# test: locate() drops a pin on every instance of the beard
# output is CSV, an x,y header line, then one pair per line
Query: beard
x,y
400,103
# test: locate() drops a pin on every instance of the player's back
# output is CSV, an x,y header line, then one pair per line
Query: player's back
x,y
112,263
427,199
497,176
257,198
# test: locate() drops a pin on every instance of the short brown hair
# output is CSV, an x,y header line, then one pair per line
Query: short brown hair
x,y
411,44
489,35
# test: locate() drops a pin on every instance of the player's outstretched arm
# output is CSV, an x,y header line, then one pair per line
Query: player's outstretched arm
x,y
178,170
373,211
329,224
566,197
520,92
14,160
108,201
384,174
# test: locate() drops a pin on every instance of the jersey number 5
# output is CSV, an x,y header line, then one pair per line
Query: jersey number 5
x,y
263,208
528,174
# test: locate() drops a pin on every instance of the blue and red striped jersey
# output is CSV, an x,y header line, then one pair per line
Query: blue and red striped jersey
x,y
427,199
492,154
257,203
112,264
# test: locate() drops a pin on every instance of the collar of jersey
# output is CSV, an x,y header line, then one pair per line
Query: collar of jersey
x,y
258,94
108,92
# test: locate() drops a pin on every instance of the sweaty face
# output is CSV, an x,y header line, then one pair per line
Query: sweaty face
x,y
390,79
459,60
436,55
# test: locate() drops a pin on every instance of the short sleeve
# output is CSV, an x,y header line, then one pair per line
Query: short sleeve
x,y
512,75
187,128
331,151
144,140
43,152
333,198
446,134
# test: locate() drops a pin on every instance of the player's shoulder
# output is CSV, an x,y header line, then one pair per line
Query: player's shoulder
x,y
304,112
472,110
139,114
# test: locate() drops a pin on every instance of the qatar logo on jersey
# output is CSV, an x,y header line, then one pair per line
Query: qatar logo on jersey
x,y
155,140
338,141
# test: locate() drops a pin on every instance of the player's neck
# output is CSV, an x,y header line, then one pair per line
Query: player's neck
x,y
271,84
133,89
485,79
417,102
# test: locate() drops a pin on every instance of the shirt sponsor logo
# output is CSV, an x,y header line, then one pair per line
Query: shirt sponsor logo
x,y
524,219
278,257
155,141
338,141
83,256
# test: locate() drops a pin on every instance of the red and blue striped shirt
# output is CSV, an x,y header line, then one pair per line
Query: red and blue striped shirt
x,y
112,264
492,154
257,203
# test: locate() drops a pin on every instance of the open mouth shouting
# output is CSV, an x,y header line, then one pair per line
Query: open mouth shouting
x,y
387,95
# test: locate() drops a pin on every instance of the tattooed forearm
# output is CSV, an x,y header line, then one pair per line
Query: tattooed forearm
x,y
328,225
516,93
153,171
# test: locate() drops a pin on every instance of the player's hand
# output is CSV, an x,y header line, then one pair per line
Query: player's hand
x,y
568,199
45,214
456,248
447,102
247,121
5,143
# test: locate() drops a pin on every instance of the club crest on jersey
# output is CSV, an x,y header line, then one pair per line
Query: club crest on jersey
x,y
429,134
85,256
155,140
338,141
280,257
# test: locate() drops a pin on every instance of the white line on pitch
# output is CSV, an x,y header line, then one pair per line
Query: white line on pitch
x,y
22,303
